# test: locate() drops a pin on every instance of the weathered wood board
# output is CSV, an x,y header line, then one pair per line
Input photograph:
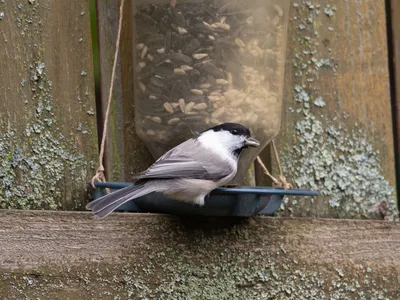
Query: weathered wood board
x,y
394,53
67,255
48,135
337,129
125,152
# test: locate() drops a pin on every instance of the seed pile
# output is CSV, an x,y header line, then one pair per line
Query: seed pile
x,y
202,64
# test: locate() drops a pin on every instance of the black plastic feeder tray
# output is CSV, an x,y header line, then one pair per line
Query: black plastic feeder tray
x,y
241,201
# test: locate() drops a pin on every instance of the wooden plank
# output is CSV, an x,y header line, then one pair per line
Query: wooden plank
x,y
66,255
394,55
125,152
48,136
337,133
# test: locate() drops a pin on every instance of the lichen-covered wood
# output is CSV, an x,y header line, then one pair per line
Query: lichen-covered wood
x,y
48,135
337,134
67,255
125,152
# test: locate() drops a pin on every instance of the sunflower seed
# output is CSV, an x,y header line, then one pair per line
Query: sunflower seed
x,y
199,55
173,121
150,132
236,103
240,43
223,26
179,71
182,30
221,81
161,50
200,106
186,68
182,105
197,92
156,120
253,119
205,86
168,107
218,113
189,107
208,26
144,52
236,119
248,116
214,98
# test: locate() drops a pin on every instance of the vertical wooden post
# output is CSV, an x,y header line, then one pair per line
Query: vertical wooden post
x,y
337,129
394,66
125,153
48,134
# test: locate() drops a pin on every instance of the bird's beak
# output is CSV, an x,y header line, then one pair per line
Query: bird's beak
x,y
252,142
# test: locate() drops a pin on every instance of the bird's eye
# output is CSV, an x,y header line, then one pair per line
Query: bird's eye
x,y
234,131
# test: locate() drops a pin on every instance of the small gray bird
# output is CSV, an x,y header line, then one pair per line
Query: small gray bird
x,y
188,172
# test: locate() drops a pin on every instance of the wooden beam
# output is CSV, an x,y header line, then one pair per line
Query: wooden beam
x,y
67,255
48,132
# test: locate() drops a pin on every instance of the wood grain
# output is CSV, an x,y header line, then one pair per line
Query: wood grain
x,y
48,135
125,152
394,52
54,254
337,50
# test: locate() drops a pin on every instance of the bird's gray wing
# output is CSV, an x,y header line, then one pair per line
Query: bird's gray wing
x,y
188,160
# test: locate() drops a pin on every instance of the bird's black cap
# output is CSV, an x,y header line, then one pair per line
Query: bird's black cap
x,y
234,128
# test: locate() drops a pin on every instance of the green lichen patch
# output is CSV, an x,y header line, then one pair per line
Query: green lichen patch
x,y
176,273
31,176
329,154
32,172
342,165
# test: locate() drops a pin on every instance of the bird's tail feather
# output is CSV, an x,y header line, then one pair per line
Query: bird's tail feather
x,y
105,205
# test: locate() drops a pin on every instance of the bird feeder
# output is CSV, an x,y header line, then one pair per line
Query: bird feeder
x,y
222,202
200,63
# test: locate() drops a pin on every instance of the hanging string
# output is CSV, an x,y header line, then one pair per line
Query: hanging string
x,y
100,177
282,182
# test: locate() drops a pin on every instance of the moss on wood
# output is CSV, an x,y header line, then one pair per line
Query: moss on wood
x,y
142,256
48,136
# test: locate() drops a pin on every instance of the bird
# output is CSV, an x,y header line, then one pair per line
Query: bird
x,y
187,172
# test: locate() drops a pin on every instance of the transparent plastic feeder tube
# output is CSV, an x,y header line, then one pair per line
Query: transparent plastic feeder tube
x,y
202,63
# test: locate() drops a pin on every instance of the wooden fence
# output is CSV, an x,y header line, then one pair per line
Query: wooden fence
x,y
339,136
